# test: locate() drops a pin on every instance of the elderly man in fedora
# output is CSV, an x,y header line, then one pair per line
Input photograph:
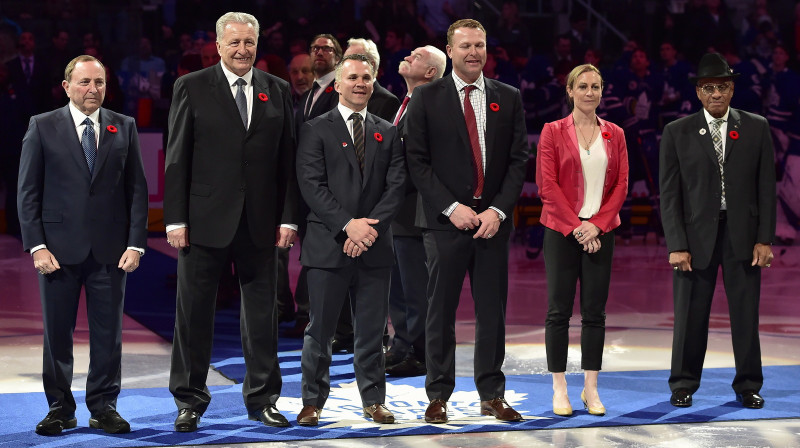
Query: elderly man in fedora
x,y
717,176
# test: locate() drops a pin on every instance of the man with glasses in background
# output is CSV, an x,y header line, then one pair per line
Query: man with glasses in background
x,y
717,175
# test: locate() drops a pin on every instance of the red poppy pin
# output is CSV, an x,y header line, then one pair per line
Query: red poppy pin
x,y
329,89
344,144
494,107
111,129
606,135
378,137
263,97
734,135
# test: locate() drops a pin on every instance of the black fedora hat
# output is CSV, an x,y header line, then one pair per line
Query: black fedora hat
x,y
713,65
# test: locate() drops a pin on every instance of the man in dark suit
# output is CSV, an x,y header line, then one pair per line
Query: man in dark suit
x,y
717,174
83,212
408,302
31,72
230,184
351,173
382,103
325,53
469,174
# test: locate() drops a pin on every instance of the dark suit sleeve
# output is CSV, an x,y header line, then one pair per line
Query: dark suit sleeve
x,y
511,187
394,192
178,157
288,193
767,198
136,192
418,155
671,193
29,188
312,178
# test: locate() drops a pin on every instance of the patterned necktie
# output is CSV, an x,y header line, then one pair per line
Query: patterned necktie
x,y
241,100
310,101
716,136
474,140
358,138
89,144
402,109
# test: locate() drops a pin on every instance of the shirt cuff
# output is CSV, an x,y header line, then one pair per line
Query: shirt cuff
x,y
449,210
500,213
178,225
137,249
39,247
290,226
344,229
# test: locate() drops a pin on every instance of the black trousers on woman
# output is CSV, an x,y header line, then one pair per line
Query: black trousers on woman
x,y
566,263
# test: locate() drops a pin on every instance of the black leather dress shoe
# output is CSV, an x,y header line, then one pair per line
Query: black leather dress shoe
x,y
110,422
269,416
393,356
681,398
187,420
410,366
55,422
750,399
342,345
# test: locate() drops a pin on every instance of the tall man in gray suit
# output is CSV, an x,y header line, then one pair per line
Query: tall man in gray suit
x,y
351,173
229,189
717,174
83,213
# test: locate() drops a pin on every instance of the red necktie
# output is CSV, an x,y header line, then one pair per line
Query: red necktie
x,y
402,109
472,128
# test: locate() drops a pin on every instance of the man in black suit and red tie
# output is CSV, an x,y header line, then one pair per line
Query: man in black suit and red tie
x,y
351,173
83,213
469,174
230,189
717,174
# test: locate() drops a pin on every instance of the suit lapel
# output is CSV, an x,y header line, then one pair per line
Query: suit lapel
x,y
261,86
568,133
323,102
221,92
451,97
65,126
734,122
106,139
704,136
343,134
370,146
492,118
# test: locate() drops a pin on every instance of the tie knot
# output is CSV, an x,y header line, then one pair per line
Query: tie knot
x,y
356,116
88,122
469,89
718,123
241,82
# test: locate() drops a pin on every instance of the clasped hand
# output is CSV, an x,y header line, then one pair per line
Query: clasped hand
x,y
586,235
360,236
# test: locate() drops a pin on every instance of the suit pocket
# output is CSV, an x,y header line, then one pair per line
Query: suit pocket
x,y
200,190
52,216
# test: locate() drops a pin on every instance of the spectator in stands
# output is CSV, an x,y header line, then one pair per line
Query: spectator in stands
x,y
29,71
676,98
140,78
582,174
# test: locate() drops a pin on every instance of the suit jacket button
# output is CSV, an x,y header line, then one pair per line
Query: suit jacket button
x,y
91,191
246,163
242,189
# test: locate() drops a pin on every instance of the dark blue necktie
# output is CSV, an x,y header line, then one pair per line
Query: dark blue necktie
x,y
89,143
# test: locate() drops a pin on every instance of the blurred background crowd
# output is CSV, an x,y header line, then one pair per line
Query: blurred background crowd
x,y
645,49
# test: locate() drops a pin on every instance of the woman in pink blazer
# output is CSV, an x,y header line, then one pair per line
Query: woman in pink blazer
x,y
582,173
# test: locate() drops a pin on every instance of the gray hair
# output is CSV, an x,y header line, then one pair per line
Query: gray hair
x,y
436,59
370,49
236,17
354,57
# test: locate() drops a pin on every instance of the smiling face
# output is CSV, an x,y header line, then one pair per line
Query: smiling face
x,y
716,103
355,84
586,92
87,86
237,47
468,53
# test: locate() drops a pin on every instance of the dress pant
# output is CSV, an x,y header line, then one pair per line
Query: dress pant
x,y
408,301
369,290
693,292
60,294
199,271
451,255
566,263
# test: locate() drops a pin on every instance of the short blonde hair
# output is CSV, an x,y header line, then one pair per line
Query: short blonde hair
x,y
463,23
82,58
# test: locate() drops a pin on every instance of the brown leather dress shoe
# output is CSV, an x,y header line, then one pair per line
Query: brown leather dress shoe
x,y
436,412
500,409
379,413
309,416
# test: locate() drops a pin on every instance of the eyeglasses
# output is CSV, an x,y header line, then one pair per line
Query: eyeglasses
x,y
708,89
325,48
